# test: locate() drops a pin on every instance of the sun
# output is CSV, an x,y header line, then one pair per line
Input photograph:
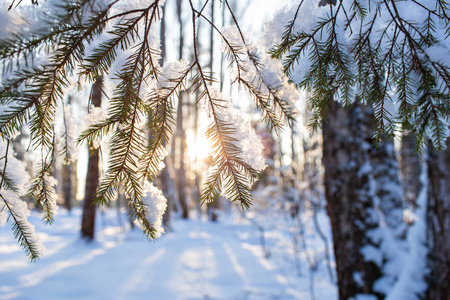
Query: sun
x,y
198,148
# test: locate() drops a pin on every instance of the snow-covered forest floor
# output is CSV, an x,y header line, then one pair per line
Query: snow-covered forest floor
x,y
198,259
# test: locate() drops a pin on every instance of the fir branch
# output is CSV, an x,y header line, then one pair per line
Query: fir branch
x,y
15,117
44,193
286,38
386,61
97,131
225,152
6,182
100,61
161,123
21,230
127,145
279,103
254,86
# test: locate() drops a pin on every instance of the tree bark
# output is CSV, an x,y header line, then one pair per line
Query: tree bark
x,y
92,177
346,140
364,202
438,223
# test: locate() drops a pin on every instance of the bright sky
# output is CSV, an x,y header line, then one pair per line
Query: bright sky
x,y
259,12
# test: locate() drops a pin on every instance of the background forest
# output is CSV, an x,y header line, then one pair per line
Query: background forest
x,y
292,150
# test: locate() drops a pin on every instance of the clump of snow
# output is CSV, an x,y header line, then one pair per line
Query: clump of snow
x,y
411,282
232,35
244,134
246,138
128,5
373,254
15,169
156,206
364,297
259,70
95,116
170,74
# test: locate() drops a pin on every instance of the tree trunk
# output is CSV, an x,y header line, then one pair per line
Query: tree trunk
x,y
68,171
346,139
180,133
164,176
410,170
212,207
67,185
181,35
181,182
364,202
438,223
92,177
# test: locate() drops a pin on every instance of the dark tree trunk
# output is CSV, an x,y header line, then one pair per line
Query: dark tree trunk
x,y
164,181
364,202
92,177
68,173
438,224
346,140
67,185
181,35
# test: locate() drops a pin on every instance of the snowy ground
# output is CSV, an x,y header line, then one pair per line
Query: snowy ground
x,y
197,260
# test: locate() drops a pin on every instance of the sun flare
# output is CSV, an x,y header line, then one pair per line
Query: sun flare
x,y
198,149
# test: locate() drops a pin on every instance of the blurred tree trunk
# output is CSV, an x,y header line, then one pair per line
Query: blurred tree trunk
x,y
181,172
222,55
181,35
197,163
438,223
213,207
164,176
67,175
410,169
180,133
92,177
67,185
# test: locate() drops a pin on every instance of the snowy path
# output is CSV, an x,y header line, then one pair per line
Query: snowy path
x,y
199,260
